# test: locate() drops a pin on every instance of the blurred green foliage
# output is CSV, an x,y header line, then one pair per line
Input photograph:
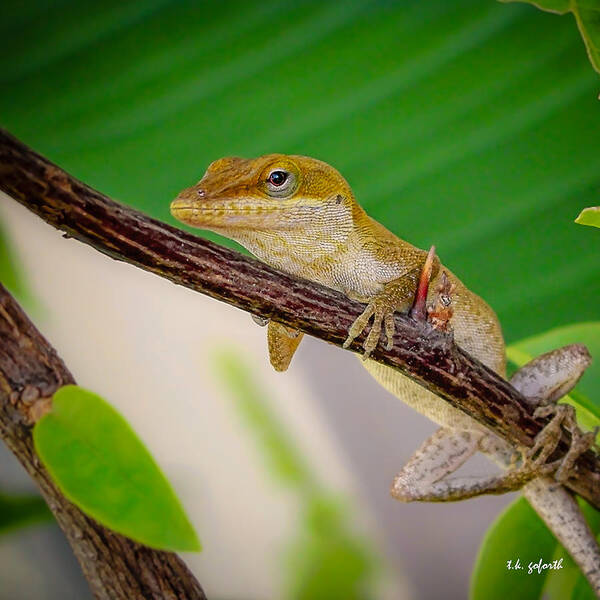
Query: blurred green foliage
x,y
326,559
20,510
282,458
101,465
587,17
11,275
472,125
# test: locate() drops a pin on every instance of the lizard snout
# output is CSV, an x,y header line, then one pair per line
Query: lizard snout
x,y
185,202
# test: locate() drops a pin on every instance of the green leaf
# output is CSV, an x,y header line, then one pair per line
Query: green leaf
x,y
589,216
587,16
583,590
101,465
518,533
586,395
21,510
556,6
560,583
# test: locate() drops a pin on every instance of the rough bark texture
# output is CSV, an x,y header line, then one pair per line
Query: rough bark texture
x,y
116,567
123,233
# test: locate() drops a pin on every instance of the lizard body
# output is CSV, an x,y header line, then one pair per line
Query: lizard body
x,y
299,214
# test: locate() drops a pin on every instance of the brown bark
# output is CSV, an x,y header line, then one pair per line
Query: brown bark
x,y
115,567
429,357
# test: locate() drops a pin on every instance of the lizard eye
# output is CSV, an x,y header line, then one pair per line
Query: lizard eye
x,y
278,178
281,183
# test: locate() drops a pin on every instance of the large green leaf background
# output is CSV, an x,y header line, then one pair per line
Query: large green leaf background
x,y
472,125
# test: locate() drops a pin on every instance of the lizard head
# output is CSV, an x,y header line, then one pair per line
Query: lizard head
x,y
270,201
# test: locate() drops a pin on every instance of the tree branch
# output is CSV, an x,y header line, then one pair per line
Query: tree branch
x,y
115,567
427,356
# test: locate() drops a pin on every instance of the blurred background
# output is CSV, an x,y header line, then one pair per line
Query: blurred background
x,y
472,125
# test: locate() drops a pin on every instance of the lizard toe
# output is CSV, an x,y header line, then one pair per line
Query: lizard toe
x,y
390,329
374,335
359,325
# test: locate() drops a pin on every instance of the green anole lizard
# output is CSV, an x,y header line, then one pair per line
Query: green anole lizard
x,y
299,214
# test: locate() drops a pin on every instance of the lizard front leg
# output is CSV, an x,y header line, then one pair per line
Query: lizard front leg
x,y
397,295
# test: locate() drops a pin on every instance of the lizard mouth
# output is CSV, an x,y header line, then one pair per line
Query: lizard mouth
x,y
218,213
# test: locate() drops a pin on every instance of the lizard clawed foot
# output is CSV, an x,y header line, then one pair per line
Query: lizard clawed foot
x,y
383,317
397,295
547,441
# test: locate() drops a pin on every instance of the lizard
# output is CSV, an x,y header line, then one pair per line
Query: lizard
x,y
299,214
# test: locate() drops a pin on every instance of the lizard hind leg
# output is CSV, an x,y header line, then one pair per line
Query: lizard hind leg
x,y
425,478
283,342
543,381
547,440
